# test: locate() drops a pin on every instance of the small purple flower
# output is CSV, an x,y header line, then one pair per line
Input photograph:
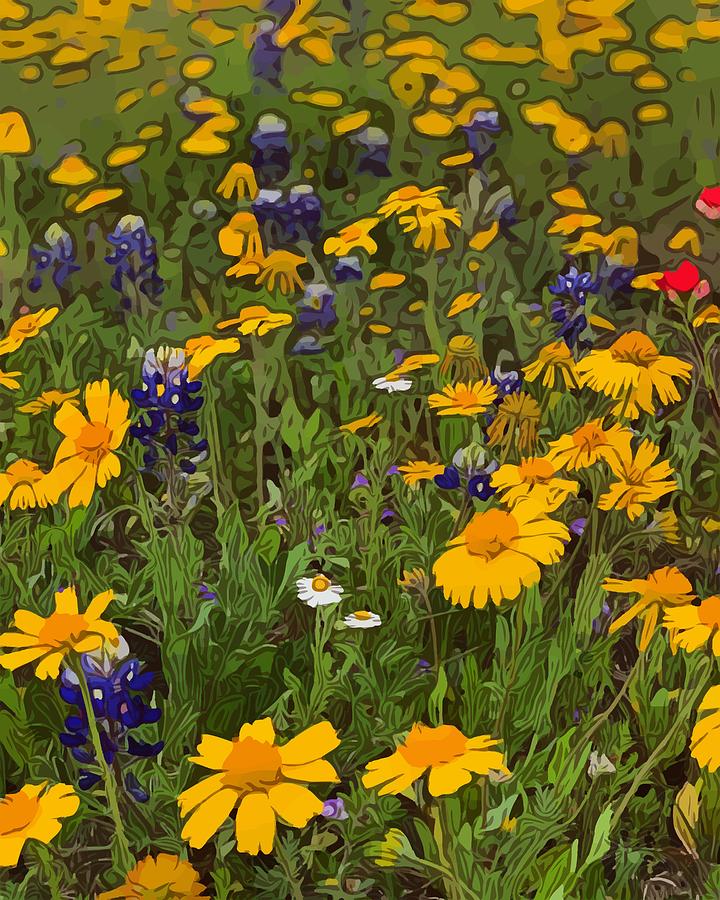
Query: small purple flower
x,y
393,470
506,382
422,667
334,809
207,594
320,529
280,521
387,516
449,479
360,481
576,715
578,525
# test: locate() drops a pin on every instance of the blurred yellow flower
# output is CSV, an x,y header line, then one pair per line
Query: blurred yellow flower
x,y
666,586
262,779
410,199
516,422
481,240
462,302
415,471
587,444
164,877
49,399
387,280
258,320
351,237
451,757
33,813
26,327
201,351
23,483
640,480
705,737
9,380
693,626
462,361
463,399
431,227
630,370
536,479
281,267
498,554
241,237
85,458
709,316
239,180
46,642
412,363
366,422
552,361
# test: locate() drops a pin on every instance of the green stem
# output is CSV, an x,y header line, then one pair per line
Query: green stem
x,y
215,442
430,310
517,640
125,859
291,875
258,431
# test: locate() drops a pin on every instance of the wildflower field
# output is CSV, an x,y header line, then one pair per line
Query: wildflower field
x,y
359,429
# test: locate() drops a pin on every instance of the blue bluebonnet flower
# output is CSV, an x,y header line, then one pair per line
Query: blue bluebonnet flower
x,y
509,382
169,399
347,268
334,808
375,145
207,594
448,480
577,526
470,467
317,308
280,8
269,210
135,275
55,257
571,291
423,667
479,133
271,150
265,56
117,686
303,214
387,516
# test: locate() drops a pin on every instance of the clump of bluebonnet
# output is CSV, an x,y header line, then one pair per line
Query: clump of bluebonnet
x,y
470,469
375,146
266,57
303,214
56,257
168,429
271,150
135,264
317,308
347,268
568,308
479,134
509,382
269,210
118,688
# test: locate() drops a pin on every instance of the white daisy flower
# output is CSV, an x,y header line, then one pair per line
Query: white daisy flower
x,y
363,619
392,384
318,591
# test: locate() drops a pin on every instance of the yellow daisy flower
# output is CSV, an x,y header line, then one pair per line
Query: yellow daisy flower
x,y
666,586
640,481
517,422
257,320
26,327
553,361
239,180
431,227
464,399
281,267
498,554
85,458
241,237
201,351
415,471
352,237
33,813
410,199
587,444
692,626
9,380
165,876
462,360
49,399
536,479
47,642
23,483
630,370
262,779
462,302
451,757
705,737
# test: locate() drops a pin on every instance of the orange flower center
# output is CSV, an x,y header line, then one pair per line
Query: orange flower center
x,y
94,442
252,765
589,437
465,397
425,747
320,583
17,812
490,533
535,471
709,611
363,615
62,629
408,193
635,349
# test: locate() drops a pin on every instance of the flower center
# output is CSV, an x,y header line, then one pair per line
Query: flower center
x,y
535,471
16,812
425,747
363,615
490,533
589,437
252,765
320,583
62,629
709,611
465,397
94,442
634,348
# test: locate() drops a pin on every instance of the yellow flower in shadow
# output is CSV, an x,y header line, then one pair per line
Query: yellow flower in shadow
x,y
49,399
33,813
203,350
240,181
241,237
164,876
639,479
26,327
694,626
23,484
352,237
257,320
553,361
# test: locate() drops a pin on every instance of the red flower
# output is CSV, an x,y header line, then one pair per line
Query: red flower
x,y
708,203
683,279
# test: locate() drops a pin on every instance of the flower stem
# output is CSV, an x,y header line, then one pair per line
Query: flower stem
x,y
125,859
